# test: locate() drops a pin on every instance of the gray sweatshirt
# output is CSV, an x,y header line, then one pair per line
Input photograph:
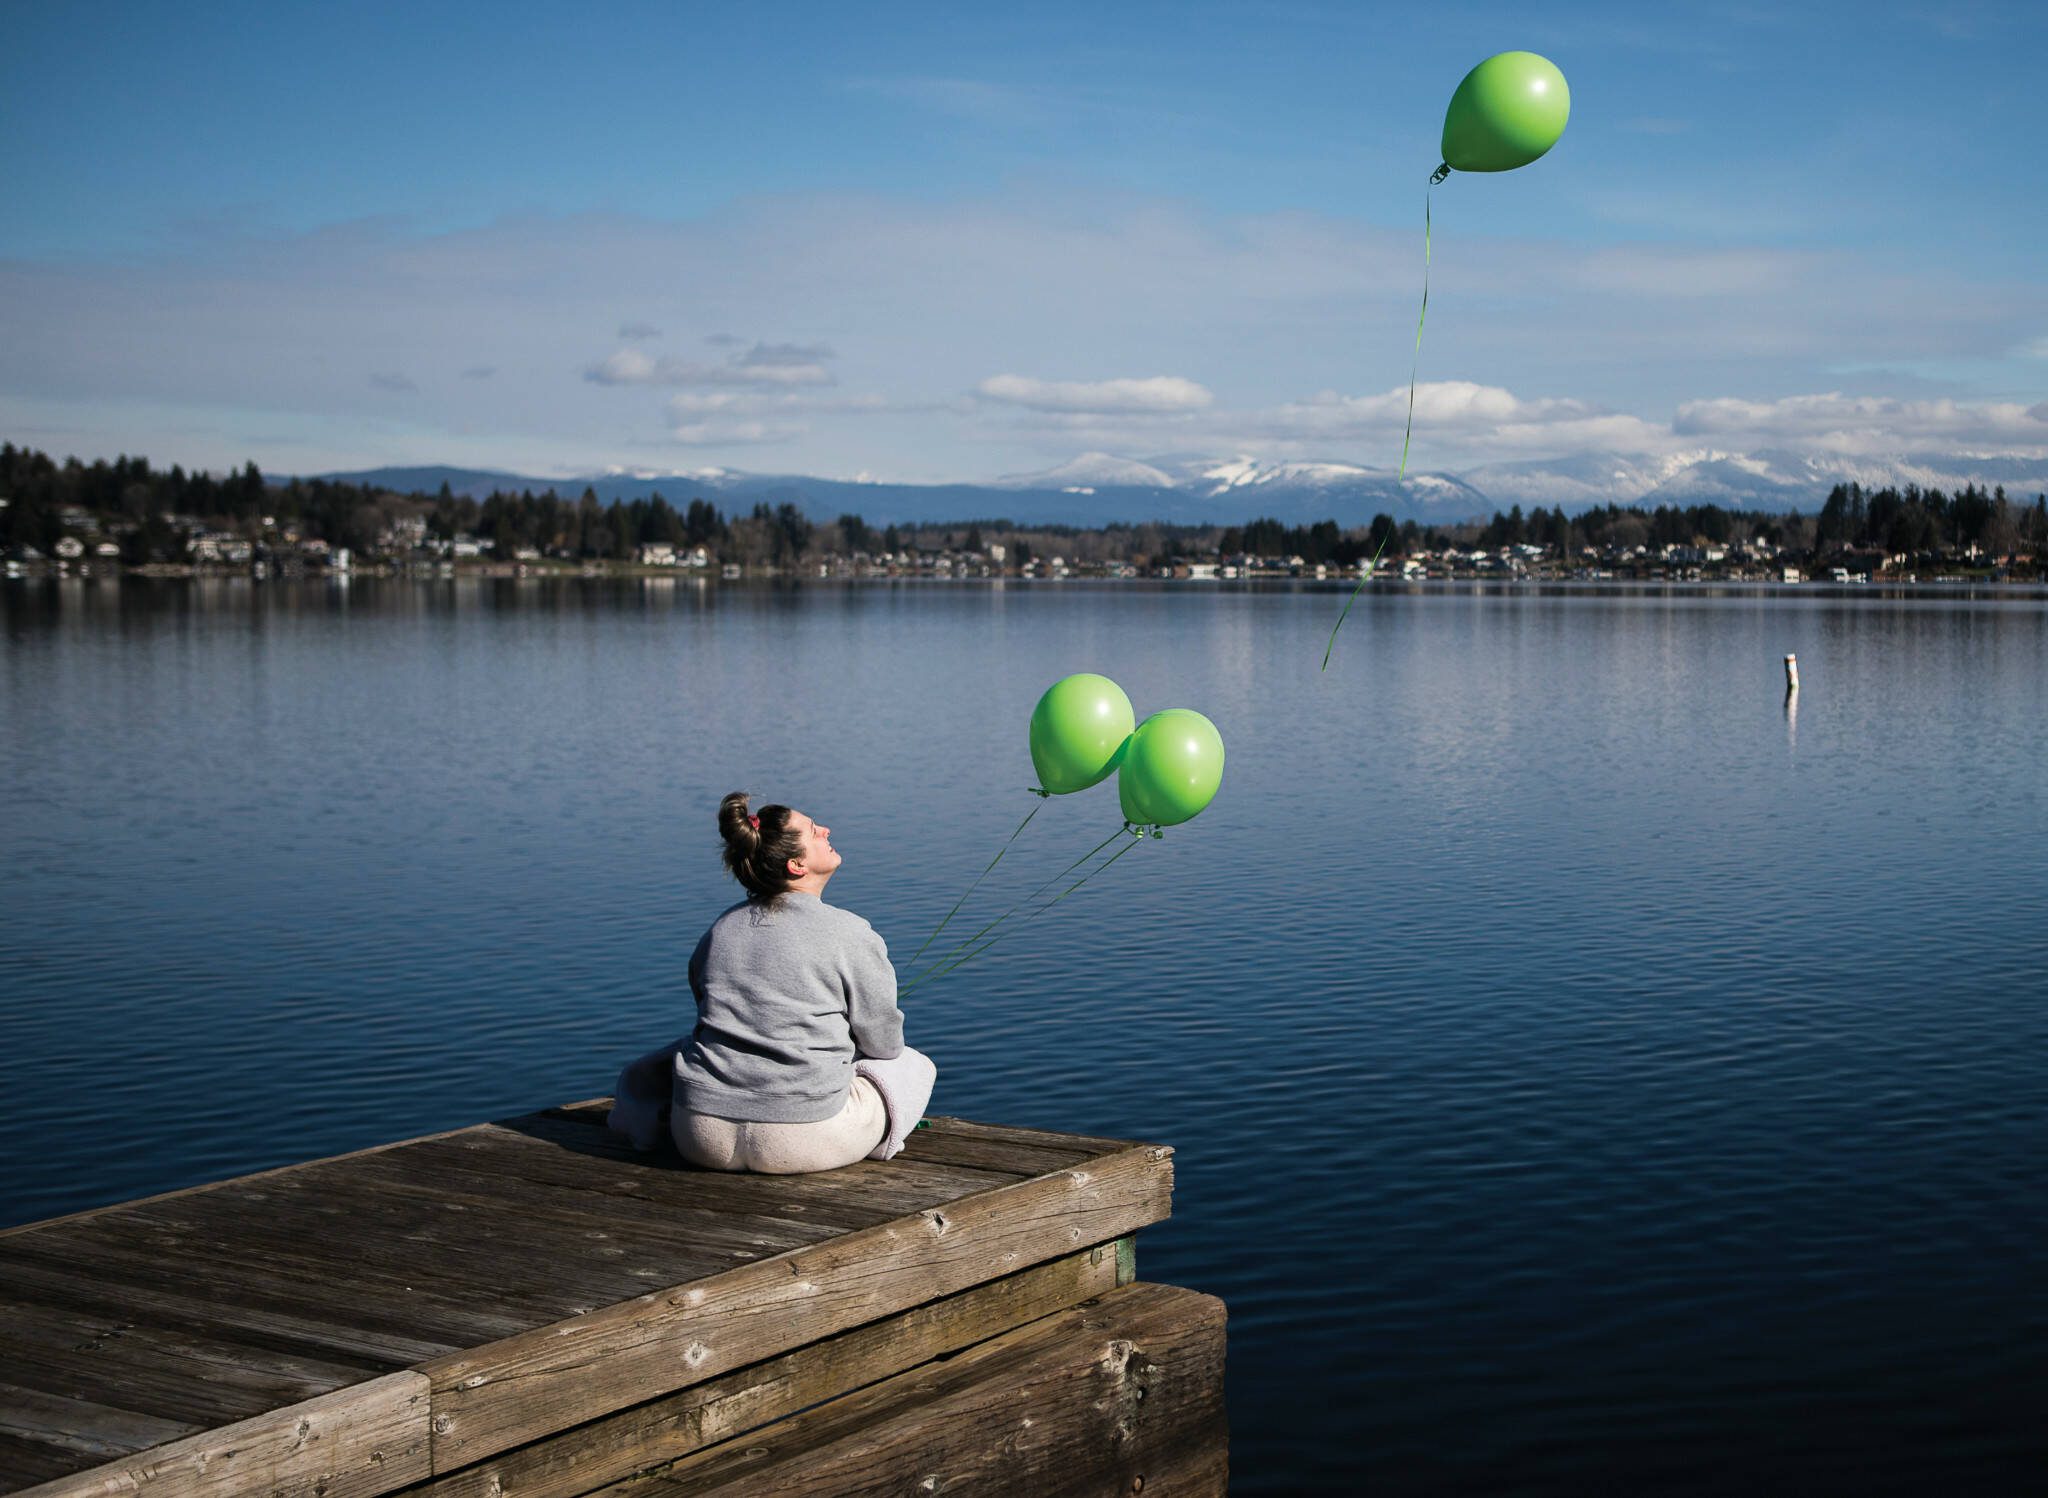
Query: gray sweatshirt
x,y
787,990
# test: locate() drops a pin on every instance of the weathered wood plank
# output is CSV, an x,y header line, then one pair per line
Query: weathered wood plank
x,y
592,1111
181,1253
1015,1134
881,1189
633,1206
275,1287
931,1146
487,1256
33,1328
634,1439
92,1430
514,1175
368,1238
1031,1156
653,1244
1121,1395
371,1236
396,1247
95,1291
496,1397
23,1462
353,1443
582,1136
165,1373
91,1212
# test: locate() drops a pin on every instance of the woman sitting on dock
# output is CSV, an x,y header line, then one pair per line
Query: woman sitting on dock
x,y
791,994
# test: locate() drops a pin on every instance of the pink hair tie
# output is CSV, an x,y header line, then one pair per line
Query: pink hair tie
x,y
756,821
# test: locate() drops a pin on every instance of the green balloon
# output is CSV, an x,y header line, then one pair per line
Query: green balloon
x,y
1508,111
1078,731
1171,769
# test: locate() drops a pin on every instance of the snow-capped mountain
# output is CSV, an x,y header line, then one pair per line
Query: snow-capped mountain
x,y
1100,488
1772,480
1195,489
1089,472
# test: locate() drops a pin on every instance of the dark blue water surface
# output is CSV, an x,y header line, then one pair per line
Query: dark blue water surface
x,y
1587,1073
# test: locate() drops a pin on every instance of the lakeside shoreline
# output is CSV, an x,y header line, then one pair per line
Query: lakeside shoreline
x,y
1899,589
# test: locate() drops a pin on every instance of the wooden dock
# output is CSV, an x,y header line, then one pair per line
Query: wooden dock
x,y
529,1309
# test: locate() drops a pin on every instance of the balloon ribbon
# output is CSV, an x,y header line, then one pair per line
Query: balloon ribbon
x,y
953,951
967,950
1408,431
1042,796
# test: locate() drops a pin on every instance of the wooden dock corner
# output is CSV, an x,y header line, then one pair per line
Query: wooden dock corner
x,y
530,1309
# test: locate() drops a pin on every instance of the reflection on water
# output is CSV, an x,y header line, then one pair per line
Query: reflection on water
x,y
1588,1068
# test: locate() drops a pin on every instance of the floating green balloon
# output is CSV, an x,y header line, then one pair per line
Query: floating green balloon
x,y
1508,111
1171,769
1078,731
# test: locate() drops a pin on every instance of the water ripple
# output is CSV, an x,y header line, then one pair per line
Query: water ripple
x,y
1583,1073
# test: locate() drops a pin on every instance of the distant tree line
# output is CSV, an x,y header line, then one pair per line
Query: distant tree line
x,y
128,495
129,499
1915,521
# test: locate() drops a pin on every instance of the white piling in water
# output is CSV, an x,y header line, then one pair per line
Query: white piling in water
x,y
1791,673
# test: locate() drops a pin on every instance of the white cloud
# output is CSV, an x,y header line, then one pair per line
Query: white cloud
x,y
1838,423
1557,346
760,364
1459,423
626,367
783,356
1158,394
737,433
1437,402
758,402
1460,416
700,401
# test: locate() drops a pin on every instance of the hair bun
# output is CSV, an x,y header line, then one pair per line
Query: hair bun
x,y
758,846
735,823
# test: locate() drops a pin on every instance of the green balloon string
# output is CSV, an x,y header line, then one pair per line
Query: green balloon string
x,y
1364,578
1415,365
1043,796
948,963
940,961
1408,431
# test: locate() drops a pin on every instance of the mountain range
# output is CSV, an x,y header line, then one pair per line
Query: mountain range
x,y
1100,488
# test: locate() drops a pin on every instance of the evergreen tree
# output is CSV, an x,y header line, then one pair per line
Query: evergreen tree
x,y
855,533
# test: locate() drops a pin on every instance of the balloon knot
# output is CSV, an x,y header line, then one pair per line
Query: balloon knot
x,y
1040,792
1442,171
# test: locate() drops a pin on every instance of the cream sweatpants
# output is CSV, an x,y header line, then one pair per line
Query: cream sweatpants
x,y
782,1149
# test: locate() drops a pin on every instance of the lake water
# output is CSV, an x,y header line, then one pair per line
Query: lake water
x,y
1586,1071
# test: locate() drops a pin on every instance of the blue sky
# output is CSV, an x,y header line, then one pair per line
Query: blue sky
x,y
953,241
